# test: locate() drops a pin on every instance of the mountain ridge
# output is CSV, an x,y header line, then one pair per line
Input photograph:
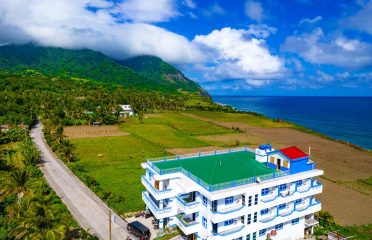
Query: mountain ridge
x,y
95,66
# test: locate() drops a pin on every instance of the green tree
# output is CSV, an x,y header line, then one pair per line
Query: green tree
x,y
19,182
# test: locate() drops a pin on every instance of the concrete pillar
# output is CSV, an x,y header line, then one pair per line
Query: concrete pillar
x,y
161,224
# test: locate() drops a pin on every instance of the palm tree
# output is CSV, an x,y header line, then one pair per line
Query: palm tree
x,y
19,182
42,222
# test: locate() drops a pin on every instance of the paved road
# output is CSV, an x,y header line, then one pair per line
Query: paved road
x,y
89,210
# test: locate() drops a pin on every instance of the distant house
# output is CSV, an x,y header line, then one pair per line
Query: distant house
x,y
23,126
4,128
126,111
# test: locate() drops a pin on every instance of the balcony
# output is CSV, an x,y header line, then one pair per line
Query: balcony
x,y
311,222
219,215
271,215
158,194
287,210
187,225
273,194
187,207
158,212
231,231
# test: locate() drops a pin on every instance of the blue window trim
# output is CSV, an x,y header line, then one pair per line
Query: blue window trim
x,y
262,232
248,237
256,199
255,217
283,187
254,236
249,219
204,222
229,200
297,201
295,221
279,226
229,222
264,211
282,206
299,183
205,201
249,201
265,191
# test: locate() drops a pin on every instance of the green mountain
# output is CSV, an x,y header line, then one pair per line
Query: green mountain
x,y
92,65
162,73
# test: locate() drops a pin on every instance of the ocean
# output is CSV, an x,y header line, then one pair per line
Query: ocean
x,y
344,118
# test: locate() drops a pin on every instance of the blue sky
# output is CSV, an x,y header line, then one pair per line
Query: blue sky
x,y
288,47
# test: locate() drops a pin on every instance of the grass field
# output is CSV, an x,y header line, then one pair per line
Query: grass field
x,y
115,161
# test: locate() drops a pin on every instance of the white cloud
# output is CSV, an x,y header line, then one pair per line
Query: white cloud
x,y
214,9
260,30
237,56
316,47
310,20
189,3
69,24
254,10
147,11
362,20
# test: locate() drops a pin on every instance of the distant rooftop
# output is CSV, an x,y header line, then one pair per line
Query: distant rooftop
x,y
219,168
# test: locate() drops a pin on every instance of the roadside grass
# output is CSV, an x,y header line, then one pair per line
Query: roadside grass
x,y
247,118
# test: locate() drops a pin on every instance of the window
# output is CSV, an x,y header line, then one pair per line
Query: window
x,y
295,221
256,199
249,219
265,191
248,237
205,223
255,217
229,222
298,201
282,206
205,201
242,219
279,226
250,201
254,236
299,182
264,211
229,200
262,232
283,187
150,176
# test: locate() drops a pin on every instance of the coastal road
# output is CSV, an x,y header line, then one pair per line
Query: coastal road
x,y
90,211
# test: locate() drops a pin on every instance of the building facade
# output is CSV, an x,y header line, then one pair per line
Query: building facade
x,y
235,194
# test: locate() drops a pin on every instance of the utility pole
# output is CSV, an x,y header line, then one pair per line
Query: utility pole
x,y
110,224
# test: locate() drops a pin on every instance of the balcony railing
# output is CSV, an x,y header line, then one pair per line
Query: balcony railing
x,y
186,222
311,222
148,185
187,205
230,231
228,210
153,207
219,186
289,210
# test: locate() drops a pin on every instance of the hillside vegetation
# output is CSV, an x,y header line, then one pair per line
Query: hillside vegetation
x,y
95,66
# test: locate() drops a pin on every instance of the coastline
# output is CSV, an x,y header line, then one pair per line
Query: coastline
x,y
296,126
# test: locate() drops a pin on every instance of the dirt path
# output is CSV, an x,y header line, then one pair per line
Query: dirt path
x,y
339,162
90,212
84,131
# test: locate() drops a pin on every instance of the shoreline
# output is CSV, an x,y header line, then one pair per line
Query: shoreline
x,y
297,126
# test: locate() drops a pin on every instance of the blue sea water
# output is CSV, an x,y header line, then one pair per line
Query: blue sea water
x,y
343,118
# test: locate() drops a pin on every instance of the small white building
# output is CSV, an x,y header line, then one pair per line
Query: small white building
x,y
126,111
235,194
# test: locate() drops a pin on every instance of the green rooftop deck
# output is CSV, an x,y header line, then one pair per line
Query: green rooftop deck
x,y
220,168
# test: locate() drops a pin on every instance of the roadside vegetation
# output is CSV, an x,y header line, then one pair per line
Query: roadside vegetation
x,y
327,224
29,208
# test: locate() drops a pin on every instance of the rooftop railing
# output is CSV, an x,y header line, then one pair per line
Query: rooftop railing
x,y
207,186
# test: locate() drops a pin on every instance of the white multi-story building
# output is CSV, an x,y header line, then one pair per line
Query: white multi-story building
x,y
235,194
